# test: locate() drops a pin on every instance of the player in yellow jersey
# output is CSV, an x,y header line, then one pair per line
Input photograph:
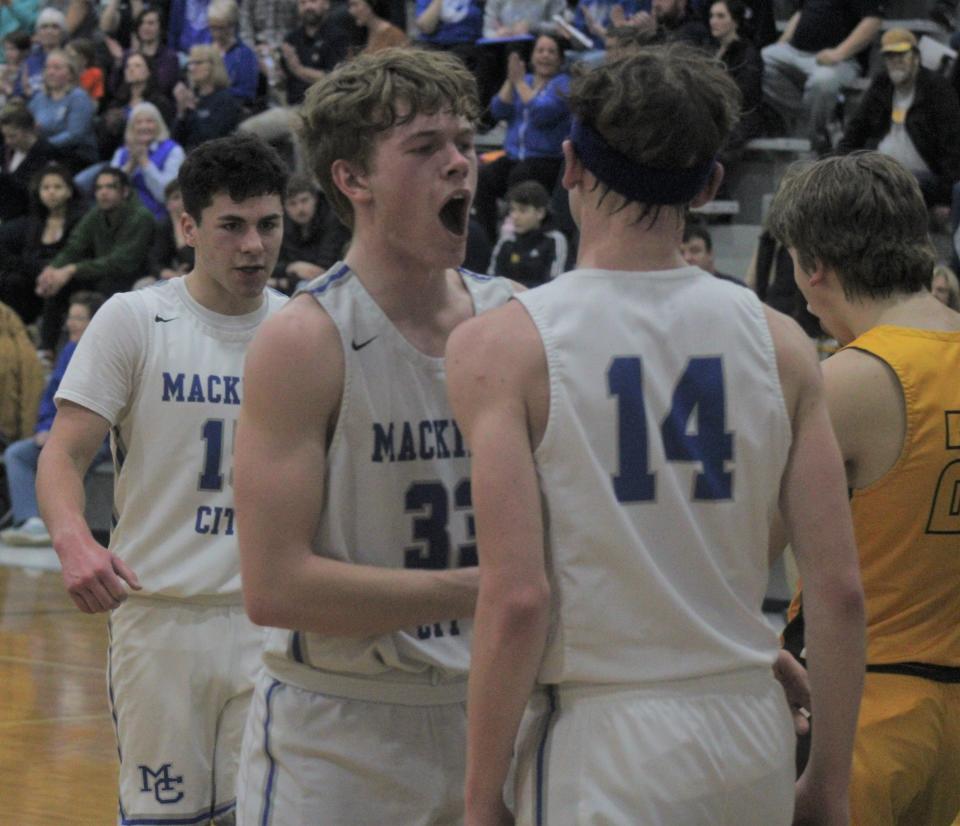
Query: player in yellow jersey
x,y
856,228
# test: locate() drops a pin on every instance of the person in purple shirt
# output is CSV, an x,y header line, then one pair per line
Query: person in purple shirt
x,y
538,120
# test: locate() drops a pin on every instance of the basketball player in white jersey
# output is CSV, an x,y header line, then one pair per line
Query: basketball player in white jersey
x,y
161,370
634,427
353,482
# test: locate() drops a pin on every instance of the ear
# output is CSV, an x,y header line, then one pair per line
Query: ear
x,y
820,274
709,191
351,181
189,229
572,168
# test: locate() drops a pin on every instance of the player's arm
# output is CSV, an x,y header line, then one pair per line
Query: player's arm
x,y
816,513
94,577
293,382
493,362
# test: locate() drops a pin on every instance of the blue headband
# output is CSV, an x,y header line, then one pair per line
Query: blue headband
x,y
635,181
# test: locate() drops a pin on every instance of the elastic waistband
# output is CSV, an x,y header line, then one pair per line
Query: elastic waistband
x,y
369,689
735,682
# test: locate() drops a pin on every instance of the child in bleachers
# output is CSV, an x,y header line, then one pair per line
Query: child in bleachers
x,y
91,76
532,254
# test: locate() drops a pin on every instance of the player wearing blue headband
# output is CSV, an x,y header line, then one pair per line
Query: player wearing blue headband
x,y
635,425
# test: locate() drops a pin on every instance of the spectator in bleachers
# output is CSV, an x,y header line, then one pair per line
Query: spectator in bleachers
x,y
205,109
16,17
30,242
531,253
538,120
697,250
16,47
150,157
107,250
64,112
82,52
25,152
239,59
265,22
372,16
911,114
508,18
21,378
455,26
137,87
759,22
162,62
816,55
48,35
311,50
117,24
170,255
313,237
187,25
595,18
945,286
21,457
677,22
745,66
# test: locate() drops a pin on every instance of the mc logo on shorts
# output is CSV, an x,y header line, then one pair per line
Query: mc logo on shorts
x,y
161,783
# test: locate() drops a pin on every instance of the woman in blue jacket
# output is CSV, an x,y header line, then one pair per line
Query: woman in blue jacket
x,y
538,120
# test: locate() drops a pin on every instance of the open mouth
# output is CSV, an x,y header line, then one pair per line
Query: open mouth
x,y
454,214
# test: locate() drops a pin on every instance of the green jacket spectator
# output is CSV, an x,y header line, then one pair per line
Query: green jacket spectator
x,y
107,250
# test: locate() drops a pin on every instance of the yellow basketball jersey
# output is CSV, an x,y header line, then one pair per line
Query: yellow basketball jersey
x,y
907,523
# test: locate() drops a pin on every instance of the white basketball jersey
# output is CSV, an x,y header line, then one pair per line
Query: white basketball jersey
x,y
397,493
660,473
166,373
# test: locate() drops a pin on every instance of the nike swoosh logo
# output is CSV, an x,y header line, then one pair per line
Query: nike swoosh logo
x,y
362,345
164,320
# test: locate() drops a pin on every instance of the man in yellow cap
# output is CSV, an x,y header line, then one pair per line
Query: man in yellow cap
x,y
912,115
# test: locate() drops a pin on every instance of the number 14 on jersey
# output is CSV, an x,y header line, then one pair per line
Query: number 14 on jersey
x,y
699,394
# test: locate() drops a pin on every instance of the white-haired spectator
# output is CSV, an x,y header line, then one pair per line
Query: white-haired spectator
x,y
48,34
238,57
149,156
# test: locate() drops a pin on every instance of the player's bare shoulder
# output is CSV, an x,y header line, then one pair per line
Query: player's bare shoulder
x,y
797,362
297,358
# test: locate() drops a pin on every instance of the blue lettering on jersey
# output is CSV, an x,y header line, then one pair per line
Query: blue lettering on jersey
x,y
411,441
214,520
212,388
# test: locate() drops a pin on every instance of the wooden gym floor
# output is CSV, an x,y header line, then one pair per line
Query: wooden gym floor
x,y
58,758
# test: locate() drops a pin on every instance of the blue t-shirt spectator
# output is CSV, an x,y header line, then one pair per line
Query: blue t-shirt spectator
x,y
461,21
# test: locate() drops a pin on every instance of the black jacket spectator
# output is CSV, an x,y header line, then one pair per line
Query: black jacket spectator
x,y
322,243
322,50
15,186
932,122
745,66
215,115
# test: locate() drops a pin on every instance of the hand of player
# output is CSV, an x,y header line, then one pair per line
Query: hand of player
x,y
816,807
828,57
796,686
94,577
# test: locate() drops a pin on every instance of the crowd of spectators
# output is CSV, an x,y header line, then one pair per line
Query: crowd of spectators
x,y
115,94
